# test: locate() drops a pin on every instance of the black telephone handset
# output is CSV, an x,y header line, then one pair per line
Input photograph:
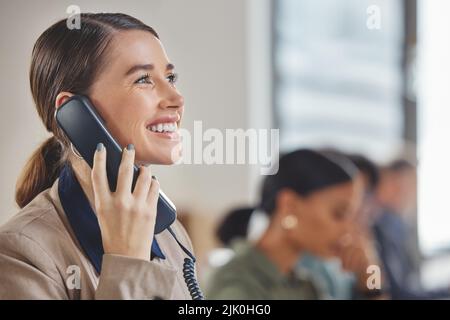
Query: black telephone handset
x,y
85,128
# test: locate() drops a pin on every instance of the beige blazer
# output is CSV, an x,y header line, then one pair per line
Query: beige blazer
x,y
40,258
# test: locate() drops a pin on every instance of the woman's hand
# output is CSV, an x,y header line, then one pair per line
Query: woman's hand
x,y
126,219
357,254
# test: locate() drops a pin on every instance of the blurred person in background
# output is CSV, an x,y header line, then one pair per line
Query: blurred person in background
x,y
395,235
310,203
232,228
341,277
369,209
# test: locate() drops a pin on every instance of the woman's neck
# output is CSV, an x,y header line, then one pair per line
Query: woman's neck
x,y
82,172
282,254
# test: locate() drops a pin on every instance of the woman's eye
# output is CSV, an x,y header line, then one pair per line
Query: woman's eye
x,y
340,214
145,79
172,78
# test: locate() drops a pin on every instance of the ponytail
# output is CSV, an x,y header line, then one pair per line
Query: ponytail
x,y
234,225
41,170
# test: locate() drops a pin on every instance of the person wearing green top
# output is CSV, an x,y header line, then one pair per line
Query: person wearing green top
x,y
310,202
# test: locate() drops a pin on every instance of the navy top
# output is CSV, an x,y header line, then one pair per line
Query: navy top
x,y
394,240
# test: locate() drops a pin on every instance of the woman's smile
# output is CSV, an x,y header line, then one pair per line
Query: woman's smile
x,y
165,127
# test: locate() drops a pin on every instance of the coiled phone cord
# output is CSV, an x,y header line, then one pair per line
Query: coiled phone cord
x,y
189,271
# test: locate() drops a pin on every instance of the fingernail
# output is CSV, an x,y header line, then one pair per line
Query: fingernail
x,y
130,147
100,146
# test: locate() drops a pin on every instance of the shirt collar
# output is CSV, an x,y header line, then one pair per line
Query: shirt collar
x,y
83,220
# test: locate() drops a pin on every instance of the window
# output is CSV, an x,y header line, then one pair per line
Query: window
x,y
434,128
338,83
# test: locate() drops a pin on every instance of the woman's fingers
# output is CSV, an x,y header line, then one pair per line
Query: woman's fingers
x,y
98,173
147,187
153,193
125,175
143,183
127,220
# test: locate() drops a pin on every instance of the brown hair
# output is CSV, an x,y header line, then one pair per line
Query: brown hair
x,y
69,60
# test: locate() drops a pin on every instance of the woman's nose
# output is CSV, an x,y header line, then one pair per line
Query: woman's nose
x,y
171,98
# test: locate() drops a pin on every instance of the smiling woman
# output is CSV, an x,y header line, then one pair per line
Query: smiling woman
x,y
140,82
69,218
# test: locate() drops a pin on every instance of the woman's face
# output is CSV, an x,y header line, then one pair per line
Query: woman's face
x,y
135,94
324,217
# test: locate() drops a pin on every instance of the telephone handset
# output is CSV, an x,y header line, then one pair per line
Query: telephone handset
x,y
84,127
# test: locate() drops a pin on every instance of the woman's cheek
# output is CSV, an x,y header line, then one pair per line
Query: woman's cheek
x,y
325,231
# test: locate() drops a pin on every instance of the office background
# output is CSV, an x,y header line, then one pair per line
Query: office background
x,y
322,72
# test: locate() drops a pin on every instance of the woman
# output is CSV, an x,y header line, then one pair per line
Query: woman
x,y
73,238
310,203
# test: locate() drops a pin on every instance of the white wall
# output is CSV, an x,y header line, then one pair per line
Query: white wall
x,y
207,40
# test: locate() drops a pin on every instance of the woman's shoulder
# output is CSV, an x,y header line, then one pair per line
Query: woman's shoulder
x,y
240,266
29,244
238,278
34,222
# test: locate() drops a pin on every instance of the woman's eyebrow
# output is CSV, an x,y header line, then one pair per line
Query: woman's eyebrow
x,y
147,67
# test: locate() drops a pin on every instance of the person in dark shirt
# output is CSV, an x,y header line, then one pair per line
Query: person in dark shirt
x,y
395,236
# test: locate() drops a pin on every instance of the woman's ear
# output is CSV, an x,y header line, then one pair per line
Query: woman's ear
x,y
288,201
61,98
289,209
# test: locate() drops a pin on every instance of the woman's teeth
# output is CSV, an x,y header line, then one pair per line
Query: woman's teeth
x,y
163,127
